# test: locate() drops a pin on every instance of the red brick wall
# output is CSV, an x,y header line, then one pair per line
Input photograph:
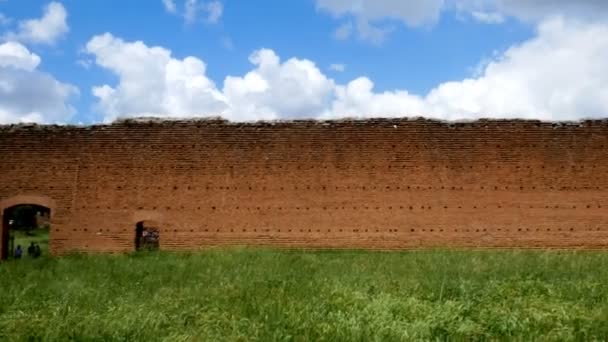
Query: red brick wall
x,y
345,184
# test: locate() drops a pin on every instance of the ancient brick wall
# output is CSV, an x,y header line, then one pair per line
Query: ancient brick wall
x,y
342,184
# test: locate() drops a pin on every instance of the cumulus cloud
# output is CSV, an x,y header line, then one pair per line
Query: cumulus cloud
x,y
192,10
17,56
412,13
541,9
488,17
560,74
359,100
152,81
295,88
28,95
46,30
371,17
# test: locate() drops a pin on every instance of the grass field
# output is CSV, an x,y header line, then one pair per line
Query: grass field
x,y
265,295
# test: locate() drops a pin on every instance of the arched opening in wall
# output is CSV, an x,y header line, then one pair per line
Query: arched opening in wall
x,y
147,236
25,231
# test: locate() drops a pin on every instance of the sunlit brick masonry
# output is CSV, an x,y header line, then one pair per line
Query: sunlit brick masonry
x,y
375,184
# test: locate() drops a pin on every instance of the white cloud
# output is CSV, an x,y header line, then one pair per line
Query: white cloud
x,y
542,9
488,17
46,30
152,81
27,94
214,9
372,16
170,6
560,74
192,9
358,99
412,13
17,56
338,67
295,88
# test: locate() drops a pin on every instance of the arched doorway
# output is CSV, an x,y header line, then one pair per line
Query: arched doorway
x,y
147,236
9,208
25,231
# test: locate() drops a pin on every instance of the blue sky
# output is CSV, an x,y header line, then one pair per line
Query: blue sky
x,y
75,61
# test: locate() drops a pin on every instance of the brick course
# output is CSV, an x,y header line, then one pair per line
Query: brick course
x,y
386,183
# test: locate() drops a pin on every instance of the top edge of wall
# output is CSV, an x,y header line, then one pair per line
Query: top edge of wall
x,y
377,122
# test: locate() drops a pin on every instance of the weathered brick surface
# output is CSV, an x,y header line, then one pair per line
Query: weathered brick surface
x,y
344,184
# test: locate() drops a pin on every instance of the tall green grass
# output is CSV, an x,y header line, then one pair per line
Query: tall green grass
x,y
266,295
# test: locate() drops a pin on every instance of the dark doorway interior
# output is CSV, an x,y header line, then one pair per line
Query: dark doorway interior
x,y
25,231
147,236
